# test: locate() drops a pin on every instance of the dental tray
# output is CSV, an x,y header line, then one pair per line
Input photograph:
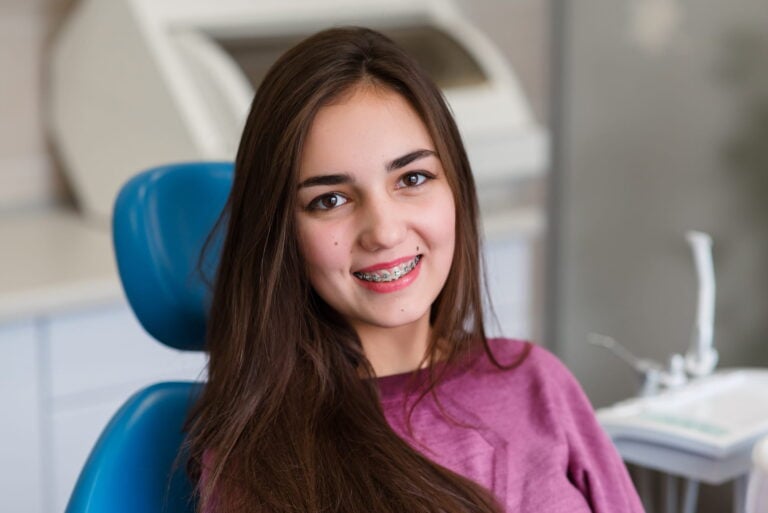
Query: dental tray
x,y
712,416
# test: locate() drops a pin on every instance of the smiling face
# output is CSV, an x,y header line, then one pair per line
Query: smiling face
x,y
376,215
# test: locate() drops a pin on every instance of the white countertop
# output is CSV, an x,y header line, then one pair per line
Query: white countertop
x,y
53,260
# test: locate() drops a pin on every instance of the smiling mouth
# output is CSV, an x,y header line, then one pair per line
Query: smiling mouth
x,y
391,274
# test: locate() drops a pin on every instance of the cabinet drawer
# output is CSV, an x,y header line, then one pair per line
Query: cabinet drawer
x,y
106,348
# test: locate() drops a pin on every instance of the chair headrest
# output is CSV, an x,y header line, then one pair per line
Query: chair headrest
x,y
161,220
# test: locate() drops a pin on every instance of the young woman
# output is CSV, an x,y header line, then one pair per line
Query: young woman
x,y
349,370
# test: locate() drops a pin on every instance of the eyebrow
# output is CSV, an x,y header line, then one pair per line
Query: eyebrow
x,y
343,178
326,180
408,158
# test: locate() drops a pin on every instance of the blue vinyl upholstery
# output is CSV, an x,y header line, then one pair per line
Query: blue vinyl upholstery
x,y
161,219
132,467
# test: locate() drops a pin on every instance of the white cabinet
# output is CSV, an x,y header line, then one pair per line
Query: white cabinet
x,y
509,272
64,377
20,434
514,267
104,349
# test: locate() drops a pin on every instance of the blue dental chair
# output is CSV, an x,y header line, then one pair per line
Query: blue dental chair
x,y
161,220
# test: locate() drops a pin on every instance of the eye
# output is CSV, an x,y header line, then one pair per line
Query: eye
x,y
414,179
327,201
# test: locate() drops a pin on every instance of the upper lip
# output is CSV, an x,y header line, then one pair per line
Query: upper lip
x,y
385,265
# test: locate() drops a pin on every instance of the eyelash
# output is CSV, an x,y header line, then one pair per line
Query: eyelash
x,y
423,174
317,203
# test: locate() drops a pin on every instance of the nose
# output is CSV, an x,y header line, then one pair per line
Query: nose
x,y
383,225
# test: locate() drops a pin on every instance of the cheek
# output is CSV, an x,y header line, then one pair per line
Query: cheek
x,y
439,223
322,247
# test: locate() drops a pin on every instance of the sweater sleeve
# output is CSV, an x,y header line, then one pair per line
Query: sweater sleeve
x,y
594,465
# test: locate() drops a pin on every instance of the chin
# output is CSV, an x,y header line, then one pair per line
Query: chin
x,y
396,319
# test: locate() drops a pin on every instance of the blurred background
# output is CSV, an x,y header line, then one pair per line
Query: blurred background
x,y
649,118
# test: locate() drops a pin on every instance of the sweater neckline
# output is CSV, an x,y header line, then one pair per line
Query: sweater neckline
x,y
406,384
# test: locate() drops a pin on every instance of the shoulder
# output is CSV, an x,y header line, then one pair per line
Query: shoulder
x,y
544,386
547,378
527,385
533,367
530,357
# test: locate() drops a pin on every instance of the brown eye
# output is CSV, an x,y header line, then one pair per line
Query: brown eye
x,y
414,179
327,202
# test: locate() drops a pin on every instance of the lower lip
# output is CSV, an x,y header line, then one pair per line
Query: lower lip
x,y
392,286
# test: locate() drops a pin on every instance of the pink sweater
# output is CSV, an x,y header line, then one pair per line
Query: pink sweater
x,y
529,434
533,441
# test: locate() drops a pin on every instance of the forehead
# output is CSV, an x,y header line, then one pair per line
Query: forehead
x,y
365,129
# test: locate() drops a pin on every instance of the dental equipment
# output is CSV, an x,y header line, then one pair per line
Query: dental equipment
x,y
703,432
652,374
701,358
702,429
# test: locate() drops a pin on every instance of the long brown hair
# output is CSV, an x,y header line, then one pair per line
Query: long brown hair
x,y
285,422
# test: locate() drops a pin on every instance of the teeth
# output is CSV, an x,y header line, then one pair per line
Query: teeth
x,y
392,274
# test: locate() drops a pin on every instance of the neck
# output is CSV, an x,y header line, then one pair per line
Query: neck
x,y
395,350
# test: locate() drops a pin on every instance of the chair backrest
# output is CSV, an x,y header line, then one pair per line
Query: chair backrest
x,y
161,220
133,467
